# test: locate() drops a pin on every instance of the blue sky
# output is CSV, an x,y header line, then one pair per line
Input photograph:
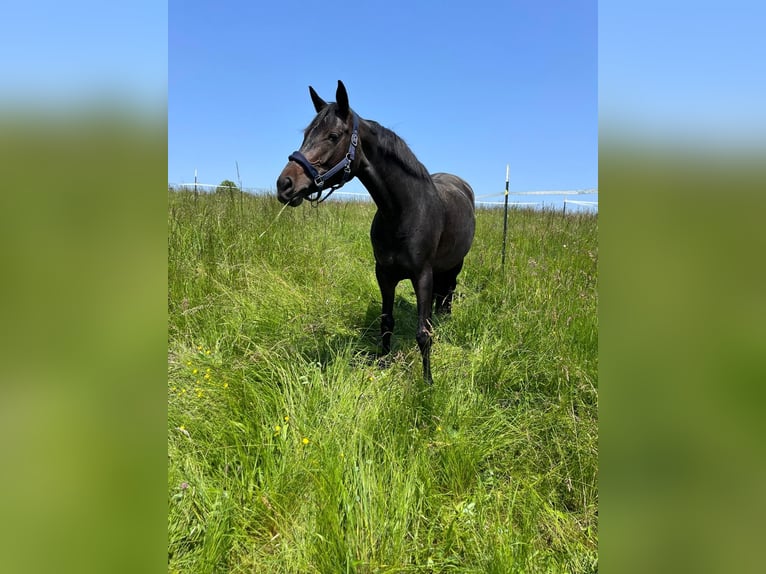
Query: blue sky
x,y
687,72
59,54
470,86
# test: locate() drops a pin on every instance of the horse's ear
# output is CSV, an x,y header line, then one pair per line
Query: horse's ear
x,y
341,97
319,103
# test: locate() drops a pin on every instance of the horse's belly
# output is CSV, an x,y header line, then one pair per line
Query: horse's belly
x,y
452,249
402,254
408,263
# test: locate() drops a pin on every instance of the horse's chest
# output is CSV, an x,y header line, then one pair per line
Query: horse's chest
x,y
388,255
397,249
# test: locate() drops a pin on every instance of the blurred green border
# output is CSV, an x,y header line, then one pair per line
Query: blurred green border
x,y
83,172
83,342
682,333
83,338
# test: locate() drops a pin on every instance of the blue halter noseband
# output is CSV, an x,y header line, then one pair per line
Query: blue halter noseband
x,y
321,179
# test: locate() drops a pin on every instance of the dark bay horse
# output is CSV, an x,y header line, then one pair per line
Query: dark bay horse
x,y
424,225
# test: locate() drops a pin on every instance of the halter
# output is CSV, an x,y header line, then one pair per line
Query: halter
x,y
321,179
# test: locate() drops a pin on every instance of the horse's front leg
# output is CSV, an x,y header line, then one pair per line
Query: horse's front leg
x,y
387,290
424,286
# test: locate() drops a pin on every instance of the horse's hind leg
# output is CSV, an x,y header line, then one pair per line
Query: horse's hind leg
x,y
444,287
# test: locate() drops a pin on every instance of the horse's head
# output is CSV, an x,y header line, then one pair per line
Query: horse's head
x,y
326,157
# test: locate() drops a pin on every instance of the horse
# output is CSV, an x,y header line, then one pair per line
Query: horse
x,y
424,224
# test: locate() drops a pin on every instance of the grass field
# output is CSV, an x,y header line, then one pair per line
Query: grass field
x,y
290,450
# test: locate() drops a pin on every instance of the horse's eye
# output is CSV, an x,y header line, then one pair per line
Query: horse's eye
x,y
333,137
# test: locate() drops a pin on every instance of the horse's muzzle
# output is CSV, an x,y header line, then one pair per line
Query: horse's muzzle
x,y
286,192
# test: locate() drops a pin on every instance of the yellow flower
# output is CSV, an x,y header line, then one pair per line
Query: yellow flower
x,y
207,376
195,371
207,352
182,428
287,418
199,347
439,428
183,391
277,428
207,370
306,440
226,385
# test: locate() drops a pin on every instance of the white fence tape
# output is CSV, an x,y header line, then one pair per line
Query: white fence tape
x,y
366,196
192,185
581,202
563,192
509,203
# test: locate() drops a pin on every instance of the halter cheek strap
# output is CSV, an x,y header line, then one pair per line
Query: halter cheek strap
x,y
321,179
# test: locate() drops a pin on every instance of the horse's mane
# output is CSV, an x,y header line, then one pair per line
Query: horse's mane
x,y
396,149
392,147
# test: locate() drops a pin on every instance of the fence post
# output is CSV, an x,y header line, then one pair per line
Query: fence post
x,y
241,192
505,217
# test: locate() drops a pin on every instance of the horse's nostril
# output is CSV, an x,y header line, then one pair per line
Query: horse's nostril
x,y
284,184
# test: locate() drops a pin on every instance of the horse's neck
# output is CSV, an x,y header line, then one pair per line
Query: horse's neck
x,y
382,186
389,184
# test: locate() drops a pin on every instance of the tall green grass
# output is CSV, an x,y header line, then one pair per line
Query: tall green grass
x,y
291,450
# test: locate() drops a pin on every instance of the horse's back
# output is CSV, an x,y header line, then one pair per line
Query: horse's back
x,y
451,186
459,221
